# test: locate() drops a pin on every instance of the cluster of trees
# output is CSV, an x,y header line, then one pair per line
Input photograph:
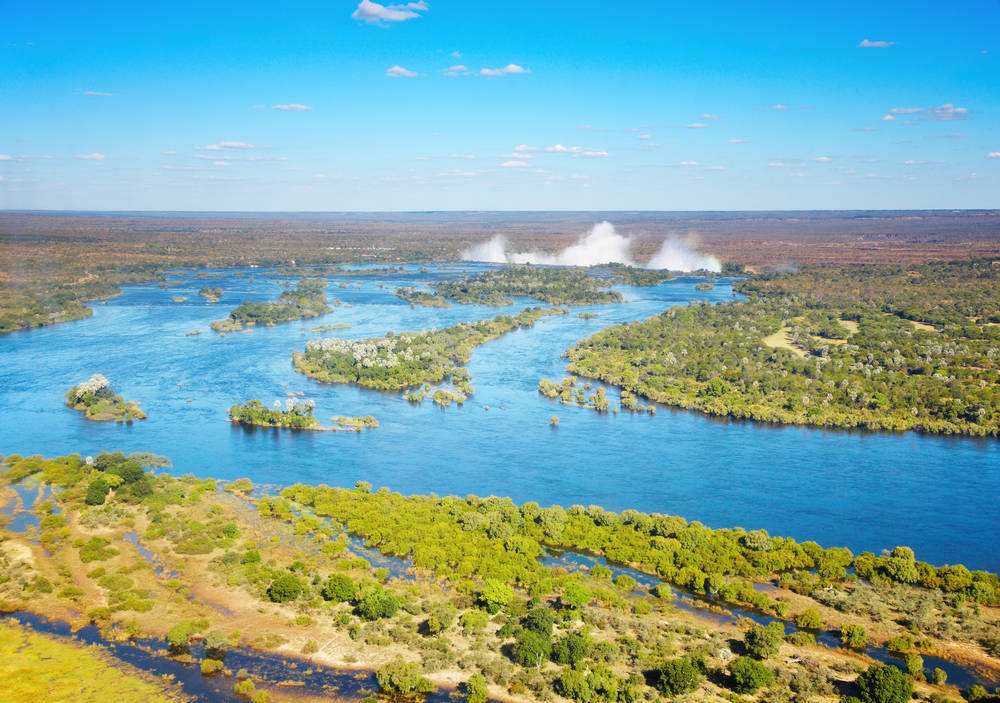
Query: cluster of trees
x,y
307,299
569,393
871,360
632,276
407,360
422,298
97,400
211,294
298,414
552,285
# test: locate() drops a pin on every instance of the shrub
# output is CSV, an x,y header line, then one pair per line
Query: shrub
x,y
810,619
914,666
476,690
883,683
473,621
495,595
939,676
210,666
539,620
377,603
571,649
402,678
762,642
681,675
531,648
853,636
749,674
286,587
97,492
339,588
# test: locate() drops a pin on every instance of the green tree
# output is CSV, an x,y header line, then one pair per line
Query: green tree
x,y
286,587
680,675
883,683
853,636
403,678
495,595
476,690
762,642
339,588
376,604
97,492
531,648
810,619
749,674
571,649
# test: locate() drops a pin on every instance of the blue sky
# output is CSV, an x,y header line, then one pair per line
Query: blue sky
x,y
518,105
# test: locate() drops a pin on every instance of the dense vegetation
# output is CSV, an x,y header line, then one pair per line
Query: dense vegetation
x,y
410,359
881,348
278,573
632,276
553,285
211,294
421,297
307,299
97,400
298,414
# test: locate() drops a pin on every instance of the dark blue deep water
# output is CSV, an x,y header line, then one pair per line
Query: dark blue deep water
x,y
862,490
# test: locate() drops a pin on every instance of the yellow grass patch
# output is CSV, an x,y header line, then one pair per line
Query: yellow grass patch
x,y
780,340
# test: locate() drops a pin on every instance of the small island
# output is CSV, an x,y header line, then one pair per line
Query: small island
x,y
295,415
306,300
97,400
704,286
399,361
552,285
415,296
211,295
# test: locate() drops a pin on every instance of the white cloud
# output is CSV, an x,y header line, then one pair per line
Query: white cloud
x,y
709,116
738,140
780,107
95,156
400,72
906,110
697,125
560,149
375,13
97,94
523,148
514,163
511,69
776,164
457,70
949,112
456,54
594,154
823,159
688,163
219,146
914,162
291,107
168,152
875,44
6,157
991,155
888,118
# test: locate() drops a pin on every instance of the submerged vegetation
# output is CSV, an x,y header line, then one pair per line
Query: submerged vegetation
x,y
882,348
211,295
222,570
307,299
399,361
553,285
97,400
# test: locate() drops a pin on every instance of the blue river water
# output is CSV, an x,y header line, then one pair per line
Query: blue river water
x,y
862,490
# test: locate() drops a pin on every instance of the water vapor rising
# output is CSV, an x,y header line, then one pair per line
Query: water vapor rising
x,y
602,245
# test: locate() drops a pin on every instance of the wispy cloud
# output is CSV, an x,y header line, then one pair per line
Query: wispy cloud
x,y
220,146
398,71
8,157
780,107
97,94
887,117
993,155
375,13
457,70
94,156
739,140
949,112
511,69
875,44
514,163
524,148
291,107
697,125
709,116
906,110
823,159
455,54
576,151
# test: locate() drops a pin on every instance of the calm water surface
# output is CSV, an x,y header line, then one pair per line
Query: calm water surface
x,y
862,490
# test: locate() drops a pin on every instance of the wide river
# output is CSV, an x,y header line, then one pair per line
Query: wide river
x,y
862,490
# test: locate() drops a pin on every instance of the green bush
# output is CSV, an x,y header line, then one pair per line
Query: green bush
x,y
883,683
286,587
339,588
762,642
531,648
749,674
97,492
476,689
571,649
377,603
681,675
495,595
810,619
853,636
402,678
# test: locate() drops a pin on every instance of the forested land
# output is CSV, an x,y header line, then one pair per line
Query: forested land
x,y
876,347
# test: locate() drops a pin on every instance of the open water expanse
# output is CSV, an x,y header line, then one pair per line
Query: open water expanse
x,y
861,490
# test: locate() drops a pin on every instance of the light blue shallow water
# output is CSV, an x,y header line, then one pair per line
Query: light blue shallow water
x,y
862,490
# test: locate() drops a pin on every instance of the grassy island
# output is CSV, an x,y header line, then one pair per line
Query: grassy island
x,y
632,276
97,400
399,361
306,300
297,415
420,297
477,606
211,295
882,348
553,285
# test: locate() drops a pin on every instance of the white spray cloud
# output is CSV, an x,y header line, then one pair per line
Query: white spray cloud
x,y
602,245
678,254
